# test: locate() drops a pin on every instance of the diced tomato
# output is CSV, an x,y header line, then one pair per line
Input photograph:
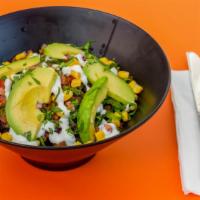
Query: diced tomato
x,y
2,92
2,100
1,83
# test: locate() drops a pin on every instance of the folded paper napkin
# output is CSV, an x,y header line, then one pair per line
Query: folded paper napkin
x,y
187,129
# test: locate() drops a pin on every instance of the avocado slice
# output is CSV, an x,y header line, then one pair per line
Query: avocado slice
x,y
118,89
21,111
88,108
60,50
18,66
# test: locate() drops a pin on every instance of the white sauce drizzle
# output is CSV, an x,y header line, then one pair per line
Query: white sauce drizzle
x,y
101,110
34,54
63,136
107,133
45,127
56,89
7,85
67,71
44,64
21,139
80,59
114,70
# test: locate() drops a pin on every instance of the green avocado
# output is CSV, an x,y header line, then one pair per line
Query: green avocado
x,y
118,89
88,108
17,66
21,111
60,50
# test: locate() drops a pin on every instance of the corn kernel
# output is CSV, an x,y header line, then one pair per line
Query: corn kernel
x,y
75,74
76,83
132,84
60,114
106,61
68,95
77,143
123,74
117,115
6,63
137,89
125,116
99,135
74,62
116,122
6,136
20,56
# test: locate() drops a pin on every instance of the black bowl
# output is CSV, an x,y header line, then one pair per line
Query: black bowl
x,y
114,37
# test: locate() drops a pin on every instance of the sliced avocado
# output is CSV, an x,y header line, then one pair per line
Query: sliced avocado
x,y
88,108
18,66
118,89
60,50
21,111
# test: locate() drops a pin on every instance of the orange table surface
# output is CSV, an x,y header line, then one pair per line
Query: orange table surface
x,y
143,165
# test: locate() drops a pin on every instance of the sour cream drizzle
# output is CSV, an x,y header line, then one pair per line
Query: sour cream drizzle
x,y
67,71
114,70
63,136
107,133
46,127
7,84
101,110
21,139
81,60
57,91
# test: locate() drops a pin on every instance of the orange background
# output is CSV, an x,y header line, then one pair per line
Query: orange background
x,y
143,165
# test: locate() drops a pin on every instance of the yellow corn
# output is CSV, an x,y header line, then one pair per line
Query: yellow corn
x,y
74,62
76,83
75,74
77,143
123,74
60,114
99,135
137,89
68,95
125,116
6,63
6,136
106,61
20,56
132,84
116,122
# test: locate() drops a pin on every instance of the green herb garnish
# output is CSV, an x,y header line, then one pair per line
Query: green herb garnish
x,y
28,135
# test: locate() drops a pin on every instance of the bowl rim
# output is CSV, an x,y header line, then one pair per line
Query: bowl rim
x,y
123,133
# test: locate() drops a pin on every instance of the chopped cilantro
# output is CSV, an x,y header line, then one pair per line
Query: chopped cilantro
x,y
42,142
28,135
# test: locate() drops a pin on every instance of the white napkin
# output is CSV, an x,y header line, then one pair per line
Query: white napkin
x,y
187,130
194,68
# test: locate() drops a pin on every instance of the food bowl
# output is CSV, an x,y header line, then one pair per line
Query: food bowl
x,y
134,49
